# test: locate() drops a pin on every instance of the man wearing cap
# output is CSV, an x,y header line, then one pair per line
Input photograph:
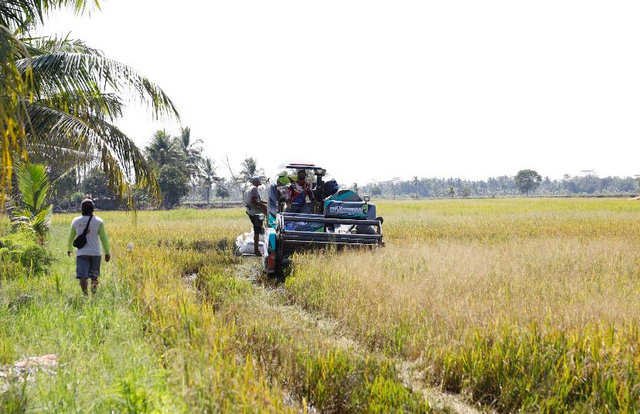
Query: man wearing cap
x,y
255,207
297,194
88,256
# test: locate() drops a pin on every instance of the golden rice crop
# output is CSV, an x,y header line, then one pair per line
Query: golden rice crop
x,y
521,304
515,304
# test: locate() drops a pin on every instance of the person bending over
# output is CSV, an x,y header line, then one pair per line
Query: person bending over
x,y
88,256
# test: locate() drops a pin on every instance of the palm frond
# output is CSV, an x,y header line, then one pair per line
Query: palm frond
x,y
121,160
31,210
89,74
33,184
63,95
23,14
107,105
45,45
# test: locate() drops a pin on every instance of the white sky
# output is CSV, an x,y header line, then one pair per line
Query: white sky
x,y
377,89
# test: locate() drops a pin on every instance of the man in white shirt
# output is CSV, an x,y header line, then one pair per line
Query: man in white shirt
x,y
88,255
255,207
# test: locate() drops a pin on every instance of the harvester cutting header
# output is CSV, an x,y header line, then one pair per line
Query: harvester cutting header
x,y
303,211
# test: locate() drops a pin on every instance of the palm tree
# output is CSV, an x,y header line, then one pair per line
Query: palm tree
x,y
249,169
191,150
59,99
162,150
208,175
416,183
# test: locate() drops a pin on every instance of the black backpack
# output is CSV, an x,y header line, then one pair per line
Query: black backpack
x,y
81,240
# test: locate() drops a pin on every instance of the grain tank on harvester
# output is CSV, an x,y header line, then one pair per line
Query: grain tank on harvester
x,y
336,218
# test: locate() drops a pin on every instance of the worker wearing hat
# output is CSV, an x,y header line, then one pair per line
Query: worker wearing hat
x,y
255,207
298,193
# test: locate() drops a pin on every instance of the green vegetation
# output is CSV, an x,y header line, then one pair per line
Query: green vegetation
x,y
513,304
21,256
59,100
30,210
527,180
589,184
177,325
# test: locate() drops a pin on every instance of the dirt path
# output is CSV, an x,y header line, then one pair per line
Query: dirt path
x,y
274,296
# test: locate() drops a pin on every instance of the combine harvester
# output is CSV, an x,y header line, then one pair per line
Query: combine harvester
x,y
338,218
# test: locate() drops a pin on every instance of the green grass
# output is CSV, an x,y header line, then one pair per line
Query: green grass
x,y
103,352
514,304
176,328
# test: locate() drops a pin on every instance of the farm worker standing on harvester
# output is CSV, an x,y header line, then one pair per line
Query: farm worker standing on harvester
x,y
255,207
297,194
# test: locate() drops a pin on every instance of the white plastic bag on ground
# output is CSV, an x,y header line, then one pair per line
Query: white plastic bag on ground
x,y
244,244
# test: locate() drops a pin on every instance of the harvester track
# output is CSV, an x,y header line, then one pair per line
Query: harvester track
x,y
274,293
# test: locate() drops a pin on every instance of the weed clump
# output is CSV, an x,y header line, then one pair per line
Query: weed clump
x,y
21,255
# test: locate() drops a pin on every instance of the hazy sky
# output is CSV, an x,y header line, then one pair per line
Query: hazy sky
x,y
377,89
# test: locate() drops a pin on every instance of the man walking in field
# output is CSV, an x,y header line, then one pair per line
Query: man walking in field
x,y
88,248
255,207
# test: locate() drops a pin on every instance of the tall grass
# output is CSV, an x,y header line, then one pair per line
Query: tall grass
x,y
177,327
519,304
516,304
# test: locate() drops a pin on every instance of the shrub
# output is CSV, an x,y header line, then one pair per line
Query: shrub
x,y
21,255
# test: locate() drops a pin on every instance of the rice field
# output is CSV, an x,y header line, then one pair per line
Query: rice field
x,y
473,305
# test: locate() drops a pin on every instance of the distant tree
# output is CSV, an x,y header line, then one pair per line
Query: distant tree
x,y
376,191
63,186
173,184
208,175
249,168
465,191
163,150
588,184
222,191
191,151
416,183
234,184
527,181
451,191
395,183
76,199
96,186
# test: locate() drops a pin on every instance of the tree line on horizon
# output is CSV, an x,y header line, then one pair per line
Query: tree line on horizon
x,y
186,175
183,173
530,183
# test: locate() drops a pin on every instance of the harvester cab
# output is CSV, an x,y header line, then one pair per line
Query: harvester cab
x,y
334,217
